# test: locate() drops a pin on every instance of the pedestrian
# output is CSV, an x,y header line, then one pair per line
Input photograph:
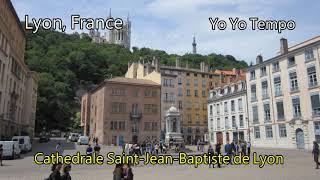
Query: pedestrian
x,y
59,148
66,172
156,148
1,153
161,147
248,148
198,145
55,174
117,172
228,150
315,152
97,148
218,152
127,172
89,150
210,154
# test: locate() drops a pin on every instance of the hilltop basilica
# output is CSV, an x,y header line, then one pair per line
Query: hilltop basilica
x,y
121,37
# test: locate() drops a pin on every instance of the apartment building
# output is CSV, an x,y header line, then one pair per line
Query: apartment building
x,y
122,110
185,88
227,112
18,86
283,94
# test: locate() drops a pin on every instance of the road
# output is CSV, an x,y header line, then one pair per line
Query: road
x,y
297,165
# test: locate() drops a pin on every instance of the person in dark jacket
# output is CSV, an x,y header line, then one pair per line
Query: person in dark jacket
x,y
127,172
228,150
218,151
66,172
55,174
210,154
117,172
315,152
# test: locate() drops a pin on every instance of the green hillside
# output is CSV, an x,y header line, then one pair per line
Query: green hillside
x,y
67,64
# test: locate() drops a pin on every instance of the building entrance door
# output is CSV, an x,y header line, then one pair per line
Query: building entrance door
x,y
300,138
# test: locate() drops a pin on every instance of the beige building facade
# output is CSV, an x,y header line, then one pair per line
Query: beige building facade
x,y
283,97
122,110
18,86
185,88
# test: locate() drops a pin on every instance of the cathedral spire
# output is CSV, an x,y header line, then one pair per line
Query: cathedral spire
x,y
110,13
194,45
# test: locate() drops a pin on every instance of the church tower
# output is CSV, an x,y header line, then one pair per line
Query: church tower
x,y
194,45
122,36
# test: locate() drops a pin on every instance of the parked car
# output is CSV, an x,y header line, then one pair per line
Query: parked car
x,y
24,143
11,149
73,137
44,139
83,140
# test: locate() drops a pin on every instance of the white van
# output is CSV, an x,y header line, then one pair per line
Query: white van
x,y
73,137
83,140
11,149
24,143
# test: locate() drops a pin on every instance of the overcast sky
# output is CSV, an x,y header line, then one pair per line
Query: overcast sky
x,y
170,24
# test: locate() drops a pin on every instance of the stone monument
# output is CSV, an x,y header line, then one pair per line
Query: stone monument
x,y
173,127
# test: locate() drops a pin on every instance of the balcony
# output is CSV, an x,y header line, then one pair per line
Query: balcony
x,y
135,115
294,89
313,84
316,112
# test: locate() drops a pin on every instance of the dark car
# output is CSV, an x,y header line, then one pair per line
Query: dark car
x,y
44,139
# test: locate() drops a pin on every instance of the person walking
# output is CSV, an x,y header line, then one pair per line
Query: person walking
x,y
210,154
1,153
89,150
117,172
66,172
59,148
55,174
248,148
228,150
315,152
97,149
218,151
127,172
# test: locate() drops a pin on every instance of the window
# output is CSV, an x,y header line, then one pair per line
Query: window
x,y
147,126
226,107
154,126
263,71
218,109
293,81
118,92
240,106
241,124
275,67
180,105
211,109
218,123
253,92
296,107
256,130
312,76
118,107
234,124
188,92
264,86
255,114
180,92
179,81
188,82
232,106
226,123
266,108
280,110
252,74
203,93
150,108
277,86
204,83
317,131
196,93
282,130
309,55
291,61
315,104
269,133
195,82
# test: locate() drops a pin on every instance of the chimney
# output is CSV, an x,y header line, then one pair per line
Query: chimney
x,y
283,46
178,62
259,59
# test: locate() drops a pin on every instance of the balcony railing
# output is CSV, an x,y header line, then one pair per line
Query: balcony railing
x,y
294,89
313,84
135,115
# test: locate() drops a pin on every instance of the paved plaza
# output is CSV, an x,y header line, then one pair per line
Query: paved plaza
x,y
297,165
